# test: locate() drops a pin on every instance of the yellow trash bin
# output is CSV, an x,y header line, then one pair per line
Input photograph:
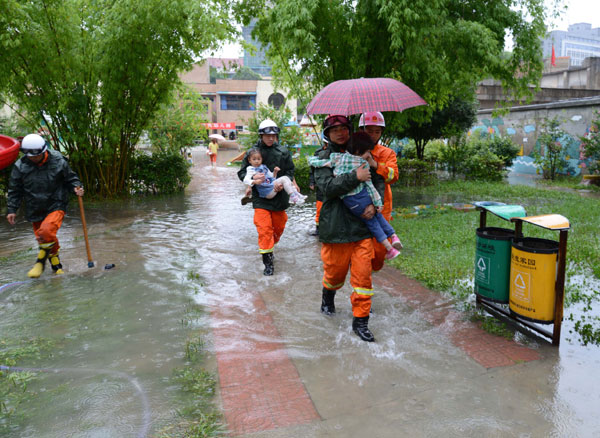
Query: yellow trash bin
x,y
533,279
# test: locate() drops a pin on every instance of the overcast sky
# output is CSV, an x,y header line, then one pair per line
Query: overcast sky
x,y
578,11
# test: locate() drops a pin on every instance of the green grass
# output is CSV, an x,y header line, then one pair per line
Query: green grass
x,y
440,244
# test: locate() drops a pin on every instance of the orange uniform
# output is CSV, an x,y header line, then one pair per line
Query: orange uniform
x,y
387,167
270,226
337,258
45,231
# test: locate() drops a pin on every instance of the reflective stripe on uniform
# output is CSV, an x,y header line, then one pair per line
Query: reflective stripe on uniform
x,y
332,286
362,291
265,251
390,173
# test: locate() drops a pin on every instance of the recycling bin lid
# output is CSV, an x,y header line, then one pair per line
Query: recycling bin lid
x,y
503,211
487,203
548,221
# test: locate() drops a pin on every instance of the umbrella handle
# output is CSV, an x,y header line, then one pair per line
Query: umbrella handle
x,y
85,233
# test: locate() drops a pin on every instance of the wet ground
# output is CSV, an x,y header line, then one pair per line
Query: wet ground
x,y
284,370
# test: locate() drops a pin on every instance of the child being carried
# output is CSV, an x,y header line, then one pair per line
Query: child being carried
x,y
365,194
266,189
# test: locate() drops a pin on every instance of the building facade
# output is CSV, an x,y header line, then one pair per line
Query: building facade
x,y
580,41
231,103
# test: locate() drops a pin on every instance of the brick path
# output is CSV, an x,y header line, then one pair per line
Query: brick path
x,y
260,386
488,350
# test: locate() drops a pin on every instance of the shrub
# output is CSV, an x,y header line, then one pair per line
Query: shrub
x,y
413,172
301,173
552,155
591,145
161,173
479,158
504,148
453,155
482,164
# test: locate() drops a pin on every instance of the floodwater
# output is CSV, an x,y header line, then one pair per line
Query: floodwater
x,y
117,335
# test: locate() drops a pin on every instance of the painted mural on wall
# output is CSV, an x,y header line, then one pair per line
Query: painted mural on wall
x,y
524,129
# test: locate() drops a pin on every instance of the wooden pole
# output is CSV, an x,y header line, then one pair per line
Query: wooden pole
x,y
85,233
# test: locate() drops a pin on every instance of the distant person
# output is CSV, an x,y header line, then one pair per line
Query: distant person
x,y
43,179
384,162
232,135
266,189
269,214
213,148
365,194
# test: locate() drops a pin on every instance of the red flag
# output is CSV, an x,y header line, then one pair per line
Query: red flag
x,y
553,59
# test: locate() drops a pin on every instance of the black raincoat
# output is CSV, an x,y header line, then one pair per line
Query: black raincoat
x,y
272,156
44,188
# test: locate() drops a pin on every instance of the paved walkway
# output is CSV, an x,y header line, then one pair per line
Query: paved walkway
x,y
286,370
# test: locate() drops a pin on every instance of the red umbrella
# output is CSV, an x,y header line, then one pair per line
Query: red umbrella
x,y
354,96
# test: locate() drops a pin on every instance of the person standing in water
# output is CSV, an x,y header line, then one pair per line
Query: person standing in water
x,y
43,179
347,244
270,217
384,162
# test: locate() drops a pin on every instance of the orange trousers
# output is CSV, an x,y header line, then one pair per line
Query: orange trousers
x,y
379,250
270,226
319,205
356,256
45,230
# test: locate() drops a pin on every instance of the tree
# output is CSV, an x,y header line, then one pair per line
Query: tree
x,y
551,157
289,135
97,71
451,121
246,73
179,122
440,49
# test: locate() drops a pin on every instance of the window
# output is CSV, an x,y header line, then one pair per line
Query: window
x,y
276,100
238,102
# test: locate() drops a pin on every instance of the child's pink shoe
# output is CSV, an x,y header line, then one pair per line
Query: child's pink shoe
x,y
392,253
396,242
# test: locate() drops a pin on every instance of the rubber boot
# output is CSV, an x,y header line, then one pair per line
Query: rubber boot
x,y
40,263
268,261
55,264
361,328
315,232
327,302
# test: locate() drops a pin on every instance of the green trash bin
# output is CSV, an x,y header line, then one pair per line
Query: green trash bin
x,y
492,263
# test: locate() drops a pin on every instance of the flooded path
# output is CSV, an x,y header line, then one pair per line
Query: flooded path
x,y
284,369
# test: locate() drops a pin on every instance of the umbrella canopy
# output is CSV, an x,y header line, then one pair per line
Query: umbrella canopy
x,y
217,136
354,96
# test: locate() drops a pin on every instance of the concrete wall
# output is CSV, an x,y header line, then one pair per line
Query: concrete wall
x,y
490,94
585,77
524,125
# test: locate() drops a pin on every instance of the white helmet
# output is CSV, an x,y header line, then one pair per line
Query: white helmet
x,y
373,118
33,144
268,126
